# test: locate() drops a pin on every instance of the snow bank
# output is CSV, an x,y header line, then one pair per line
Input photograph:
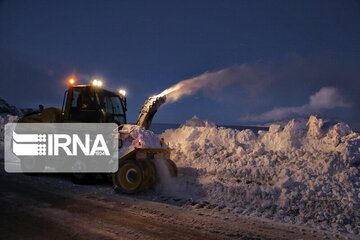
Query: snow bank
x,y
197,122
133,136
300,173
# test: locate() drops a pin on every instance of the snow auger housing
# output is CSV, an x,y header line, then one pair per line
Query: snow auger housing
x,y
148,111
91,103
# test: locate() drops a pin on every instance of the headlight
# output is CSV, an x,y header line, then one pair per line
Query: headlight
x,y
122,92
97,83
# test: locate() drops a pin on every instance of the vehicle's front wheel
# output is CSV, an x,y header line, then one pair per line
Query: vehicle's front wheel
x,y
129,177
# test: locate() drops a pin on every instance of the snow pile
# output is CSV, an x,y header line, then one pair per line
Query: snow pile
x,y
197,122
301,173
302,120
133,136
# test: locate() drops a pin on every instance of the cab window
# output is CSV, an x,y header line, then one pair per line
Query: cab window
x,y
83,105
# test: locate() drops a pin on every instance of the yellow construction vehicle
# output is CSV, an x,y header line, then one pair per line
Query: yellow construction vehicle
x,y
92,104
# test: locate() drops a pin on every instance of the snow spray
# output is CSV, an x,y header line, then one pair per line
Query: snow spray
x,y
177,187
209,80
167,183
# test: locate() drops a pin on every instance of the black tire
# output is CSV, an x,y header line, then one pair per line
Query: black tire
x,y
79,174
106,177
32,165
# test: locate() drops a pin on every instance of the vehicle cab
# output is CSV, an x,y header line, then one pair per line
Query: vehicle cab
x,y
92,103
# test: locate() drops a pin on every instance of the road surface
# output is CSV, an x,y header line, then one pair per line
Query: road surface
x,y
52,207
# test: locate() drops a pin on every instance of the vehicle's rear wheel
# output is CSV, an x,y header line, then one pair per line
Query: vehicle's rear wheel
x,y
79,174
32,165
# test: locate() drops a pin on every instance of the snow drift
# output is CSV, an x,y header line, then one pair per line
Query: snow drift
x,y
300,173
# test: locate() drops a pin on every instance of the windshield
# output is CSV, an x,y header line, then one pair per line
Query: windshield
x,y
114,107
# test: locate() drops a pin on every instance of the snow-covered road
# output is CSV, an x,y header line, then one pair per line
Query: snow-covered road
x,y
50,206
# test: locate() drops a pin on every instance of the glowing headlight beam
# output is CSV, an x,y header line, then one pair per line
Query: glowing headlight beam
x,y
122,92
97,83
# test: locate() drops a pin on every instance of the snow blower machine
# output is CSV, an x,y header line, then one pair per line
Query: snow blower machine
x,y
92,104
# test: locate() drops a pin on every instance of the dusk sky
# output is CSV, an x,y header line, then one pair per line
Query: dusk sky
x,y
287,51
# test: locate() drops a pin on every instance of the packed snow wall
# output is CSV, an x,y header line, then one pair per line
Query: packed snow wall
x,y
298,173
